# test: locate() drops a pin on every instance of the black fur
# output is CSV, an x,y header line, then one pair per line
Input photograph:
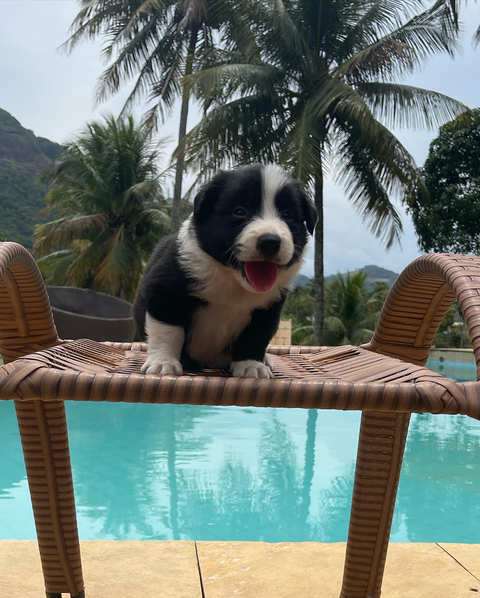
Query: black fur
x,y
253,341
167,291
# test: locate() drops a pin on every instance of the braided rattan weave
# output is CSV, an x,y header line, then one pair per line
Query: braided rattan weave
x,y
385,379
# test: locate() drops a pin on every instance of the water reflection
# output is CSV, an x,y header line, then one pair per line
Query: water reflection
x,y
440,483
179,472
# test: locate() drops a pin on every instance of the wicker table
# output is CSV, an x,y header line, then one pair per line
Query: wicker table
x,y
385,379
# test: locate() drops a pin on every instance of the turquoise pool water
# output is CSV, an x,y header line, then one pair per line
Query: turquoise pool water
x,y
147,472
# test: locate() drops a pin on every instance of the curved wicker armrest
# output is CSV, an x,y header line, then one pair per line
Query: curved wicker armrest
x,y
419,300
26,321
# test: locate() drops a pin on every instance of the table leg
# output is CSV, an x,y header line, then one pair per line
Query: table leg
x,y
379,461
44,434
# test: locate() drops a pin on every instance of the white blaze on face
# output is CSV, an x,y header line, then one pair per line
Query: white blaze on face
x,y
268,222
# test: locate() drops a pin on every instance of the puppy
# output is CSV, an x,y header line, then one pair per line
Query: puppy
x,y
212,295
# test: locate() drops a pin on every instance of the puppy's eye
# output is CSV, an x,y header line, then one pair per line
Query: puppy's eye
x,y
240,212
287,215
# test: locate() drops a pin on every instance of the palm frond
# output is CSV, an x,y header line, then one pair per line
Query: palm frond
x,y
376,18
402,50
91,21
137,52
65,230
302,149
399,105
294,41
156,218
158,77
372,164
336,326
54,266
238,132
216,82
476,37
84,264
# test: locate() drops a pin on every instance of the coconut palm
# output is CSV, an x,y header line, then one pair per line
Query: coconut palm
x,y
352,311
157,42
108,208
319,94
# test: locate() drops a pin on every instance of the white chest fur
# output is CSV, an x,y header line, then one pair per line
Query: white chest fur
x,y
214,328
229,301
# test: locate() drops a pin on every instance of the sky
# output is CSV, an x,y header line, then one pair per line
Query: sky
x,y
52,94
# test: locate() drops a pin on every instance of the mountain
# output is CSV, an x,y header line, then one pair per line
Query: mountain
x,y
302,280
374,274
22,157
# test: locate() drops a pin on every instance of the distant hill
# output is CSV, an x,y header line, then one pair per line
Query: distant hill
x,y
374,274
302,280
22,157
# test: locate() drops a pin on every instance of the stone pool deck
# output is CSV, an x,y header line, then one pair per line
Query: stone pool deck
x,y
243,569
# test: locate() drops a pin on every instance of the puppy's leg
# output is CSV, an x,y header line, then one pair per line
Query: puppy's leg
x,y
249,359
165,344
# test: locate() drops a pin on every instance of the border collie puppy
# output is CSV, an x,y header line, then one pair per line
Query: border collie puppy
x,y
212,295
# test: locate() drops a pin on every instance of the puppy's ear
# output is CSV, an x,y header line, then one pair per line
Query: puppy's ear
x,y
206,198
310,215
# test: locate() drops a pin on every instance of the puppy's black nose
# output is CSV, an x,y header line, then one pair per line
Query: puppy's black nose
x,y
269,245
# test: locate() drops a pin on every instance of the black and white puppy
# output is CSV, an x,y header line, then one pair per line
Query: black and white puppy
x,y
212,295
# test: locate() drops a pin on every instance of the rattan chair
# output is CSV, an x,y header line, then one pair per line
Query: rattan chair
x,y
385,379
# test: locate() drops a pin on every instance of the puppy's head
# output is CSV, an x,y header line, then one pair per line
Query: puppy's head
x,y
254,220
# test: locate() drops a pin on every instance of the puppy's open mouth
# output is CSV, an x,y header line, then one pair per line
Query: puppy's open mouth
x,y
261,275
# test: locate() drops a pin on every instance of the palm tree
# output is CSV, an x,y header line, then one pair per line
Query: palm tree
x,y
158,42
105,197
351,311
318,93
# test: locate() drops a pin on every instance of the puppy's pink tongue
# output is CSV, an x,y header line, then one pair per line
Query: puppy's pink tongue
x,y
261,275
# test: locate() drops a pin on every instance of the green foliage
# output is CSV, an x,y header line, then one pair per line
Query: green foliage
x,y
450,221
107,207
158,43
317,91
22,157
299,308
150,42
453,332
351,310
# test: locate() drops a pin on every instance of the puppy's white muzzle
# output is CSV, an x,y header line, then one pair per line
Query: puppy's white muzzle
x,y
266,239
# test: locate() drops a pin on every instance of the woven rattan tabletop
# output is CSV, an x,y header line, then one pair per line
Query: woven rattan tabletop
x,y
344,377
386,379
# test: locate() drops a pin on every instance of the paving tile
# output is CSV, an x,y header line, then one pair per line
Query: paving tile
x,y
425,571
244,569
111,569
256,569
468,555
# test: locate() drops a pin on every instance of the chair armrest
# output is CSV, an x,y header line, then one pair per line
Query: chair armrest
x,y
26,321
419,300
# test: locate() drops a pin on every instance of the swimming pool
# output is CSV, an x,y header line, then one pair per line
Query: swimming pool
x,y
145,472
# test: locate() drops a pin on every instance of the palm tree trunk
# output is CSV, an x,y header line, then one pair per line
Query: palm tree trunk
x,y
319,277
309,465
177,189
172,474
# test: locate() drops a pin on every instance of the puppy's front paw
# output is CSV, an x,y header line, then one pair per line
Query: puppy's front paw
x,y
162,366
268,361
250,368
